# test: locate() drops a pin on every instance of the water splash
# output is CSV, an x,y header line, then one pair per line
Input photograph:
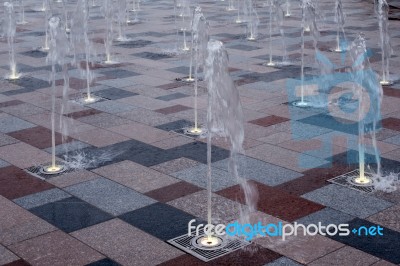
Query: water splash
x,y
58,51
22,20
122,18
47,15
366,100
382,10
10,33
225,118
88,159
200,37
108,11
340,21
252,20
79,39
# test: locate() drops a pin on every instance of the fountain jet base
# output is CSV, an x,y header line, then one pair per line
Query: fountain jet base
x,y
386,82
207,248
53,170
353,180
302,104
193,131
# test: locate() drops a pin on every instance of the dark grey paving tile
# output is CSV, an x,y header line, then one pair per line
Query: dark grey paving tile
x,y
384,246
35,54
115,93
119,73
175,126
109,196
152,56
172,96
104,262
70,214
160,220
134,44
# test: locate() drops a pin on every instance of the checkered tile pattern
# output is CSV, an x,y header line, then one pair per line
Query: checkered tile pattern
x,y
143,180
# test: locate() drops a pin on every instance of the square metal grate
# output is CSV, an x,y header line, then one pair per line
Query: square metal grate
x,y
343,180
35,171
184,243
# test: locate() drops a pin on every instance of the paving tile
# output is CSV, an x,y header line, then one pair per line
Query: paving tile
x,y
10,103
172,109
41,198
175,165
141,132
300,248
79,114
147,117
283,261
314,179
6,140
269,120
18,224
99,137
114,93
176,125
285,158
346,256
384,247
388,218
173,142
172,96
104,120
10,124
6,256
104,262
260,171
3,164
197,175
391,123
68,147
145,102
70,214
16,183
172,192
109,196
160,220
23,109
72,178
223,210
55,248
347,200
135,176
251,255
275,201
38,137
118,73
126,244
326,216
112,107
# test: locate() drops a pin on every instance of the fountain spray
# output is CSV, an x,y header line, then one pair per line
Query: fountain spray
x,y
58,52
22,20
200,33
11,29
108,11
383,12
369,104
185,12
231,6
340,21
80,38
224,118
122,18
308,14
252,20
288,13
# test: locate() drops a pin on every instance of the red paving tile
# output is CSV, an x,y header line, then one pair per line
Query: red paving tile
x,y
83,113
172,109
10,103
313,179
39,137
17,263
269,120
391,92
15,183
391,123
252,255
275,202
173,191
